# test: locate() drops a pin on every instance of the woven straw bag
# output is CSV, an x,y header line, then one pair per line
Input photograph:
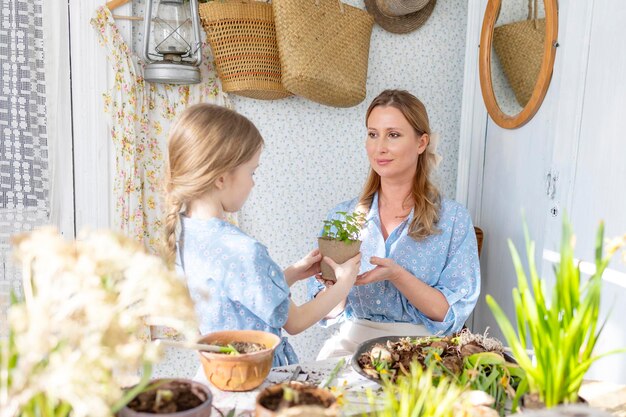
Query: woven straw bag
x,y
243,38
324,48
519,47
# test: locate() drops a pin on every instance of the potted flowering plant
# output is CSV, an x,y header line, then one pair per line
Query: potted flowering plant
x,y
564,331
340,240
78,336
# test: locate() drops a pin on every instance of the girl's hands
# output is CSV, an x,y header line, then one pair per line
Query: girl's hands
x,y
386,270
347,271
304,268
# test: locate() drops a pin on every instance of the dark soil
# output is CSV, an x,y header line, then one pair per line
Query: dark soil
x,y
398,355
306,395
173,396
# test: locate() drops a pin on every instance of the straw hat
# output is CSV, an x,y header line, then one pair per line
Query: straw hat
x,y
400,16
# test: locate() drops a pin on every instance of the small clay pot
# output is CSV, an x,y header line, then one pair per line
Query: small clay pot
x,y
242,372
270,397
199,390
338,251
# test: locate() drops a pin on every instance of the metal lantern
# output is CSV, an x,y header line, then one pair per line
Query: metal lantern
x,y
177,52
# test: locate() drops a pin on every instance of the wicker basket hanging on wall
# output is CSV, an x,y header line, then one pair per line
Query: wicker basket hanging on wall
x,y
324,49
519,47
242,35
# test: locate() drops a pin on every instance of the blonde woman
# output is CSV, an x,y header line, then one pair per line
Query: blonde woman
x,y
419,271
213,154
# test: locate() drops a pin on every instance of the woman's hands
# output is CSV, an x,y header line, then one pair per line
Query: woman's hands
x,y
386,270
304,268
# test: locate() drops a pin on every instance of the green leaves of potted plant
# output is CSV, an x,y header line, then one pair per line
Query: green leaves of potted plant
x,y
421,393
340,240
563,332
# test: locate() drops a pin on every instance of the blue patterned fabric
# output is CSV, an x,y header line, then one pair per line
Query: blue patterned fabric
x,y
447,261
233,281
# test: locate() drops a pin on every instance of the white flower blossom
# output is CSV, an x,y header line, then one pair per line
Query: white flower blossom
x,y
82,327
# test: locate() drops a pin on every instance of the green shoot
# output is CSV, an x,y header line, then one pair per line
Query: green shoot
x,y
345,230
564,331
333,373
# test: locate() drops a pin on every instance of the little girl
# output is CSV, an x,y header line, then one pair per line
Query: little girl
x,y
213,153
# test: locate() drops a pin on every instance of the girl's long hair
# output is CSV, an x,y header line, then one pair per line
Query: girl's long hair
x,y
206,142
424,193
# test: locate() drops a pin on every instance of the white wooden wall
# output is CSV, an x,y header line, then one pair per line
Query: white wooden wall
x,y
577,133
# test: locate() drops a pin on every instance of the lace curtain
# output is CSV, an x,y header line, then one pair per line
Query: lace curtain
x,y
24,173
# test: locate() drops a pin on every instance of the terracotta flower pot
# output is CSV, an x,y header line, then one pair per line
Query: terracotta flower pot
x,y
238,372
338,251
268,401
177,386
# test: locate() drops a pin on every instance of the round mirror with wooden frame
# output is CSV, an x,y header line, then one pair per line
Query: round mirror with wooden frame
x,y
540,79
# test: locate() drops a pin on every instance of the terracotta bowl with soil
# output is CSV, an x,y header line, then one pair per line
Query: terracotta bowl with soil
x,y
179,397
242,372
273,400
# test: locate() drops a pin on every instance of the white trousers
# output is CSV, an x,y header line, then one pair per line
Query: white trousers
x,y
354,332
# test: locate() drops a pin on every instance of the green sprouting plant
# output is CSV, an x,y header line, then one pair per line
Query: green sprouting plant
x,y
346,229
415,394
333,374
433,355
229,349
381,365
563,332
491,373
290,396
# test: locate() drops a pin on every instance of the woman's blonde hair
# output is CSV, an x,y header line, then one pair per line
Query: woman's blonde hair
x,y
424,193
206,142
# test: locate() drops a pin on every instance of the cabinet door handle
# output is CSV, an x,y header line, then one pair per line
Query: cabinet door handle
x,y
551,179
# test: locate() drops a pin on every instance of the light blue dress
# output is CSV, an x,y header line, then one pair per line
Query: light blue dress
x,y
447,261
233,281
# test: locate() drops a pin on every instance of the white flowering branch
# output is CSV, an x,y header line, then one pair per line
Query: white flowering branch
x,y
80,331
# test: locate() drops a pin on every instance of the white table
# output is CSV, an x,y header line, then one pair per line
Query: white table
x,y
348,382
352,386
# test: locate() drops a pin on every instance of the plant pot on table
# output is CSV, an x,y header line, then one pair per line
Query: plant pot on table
x,y
339,251
170,397
242,372
299,400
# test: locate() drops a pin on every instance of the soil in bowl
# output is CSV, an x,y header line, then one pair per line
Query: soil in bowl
x,y
171,397
245,347
392,356
300,396
279,397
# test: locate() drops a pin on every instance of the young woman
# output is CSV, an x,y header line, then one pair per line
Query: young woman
x,y
419,273
213,153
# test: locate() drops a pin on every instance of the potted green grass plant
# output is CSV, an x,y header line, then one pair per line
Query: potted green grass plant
x,y
564,331
340,240
421,393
